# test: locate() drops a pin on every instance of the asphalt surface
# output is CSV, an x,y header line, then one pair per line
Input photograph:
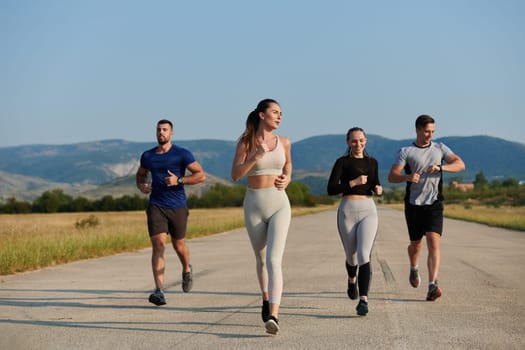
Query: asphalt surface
x,y
102,303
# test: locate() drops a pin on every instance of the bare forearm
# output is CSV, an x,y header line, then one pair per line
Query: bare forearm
x,y
454,167
239,170
287,170
140,179
194,178
397,178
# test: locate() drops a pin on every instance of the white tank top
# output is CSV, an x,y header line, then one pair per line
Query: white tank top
x,y
271,163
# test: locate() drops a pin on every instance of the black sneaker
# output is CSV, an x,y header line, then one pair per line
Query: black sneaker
x,y
352,290
362,307
187,280
265,312
414,278
157,297
434,292
272,325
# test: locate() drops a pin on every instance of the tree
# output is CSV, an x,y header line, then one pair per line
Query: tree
x,y
510,182
219,195
52,201
106,203
15,207
128,202
299,194
395,195
80,204
480,180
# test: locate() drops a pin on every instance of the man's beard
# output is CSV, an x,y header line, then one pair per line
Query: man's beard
x,y
162,142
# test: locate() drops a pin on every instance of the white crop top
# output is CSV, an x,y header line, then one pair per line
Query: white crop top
x,y
271,163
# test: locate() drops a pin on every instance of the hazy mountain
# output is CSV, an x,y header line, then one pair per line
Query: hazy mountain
x,y
126,185
28,187
102,161
107,167
493,156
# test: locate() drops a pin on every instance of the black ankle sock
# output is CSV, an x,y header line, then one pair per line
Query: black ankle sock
x,y
273,318
265,312
351,270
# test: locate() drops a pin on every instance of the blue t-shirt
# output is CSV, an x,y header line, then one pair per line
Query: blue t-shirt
x,y
175,160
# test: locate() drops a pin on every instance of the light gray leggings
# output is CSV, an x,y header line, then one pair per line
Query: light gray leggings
x,y
357,224
267,216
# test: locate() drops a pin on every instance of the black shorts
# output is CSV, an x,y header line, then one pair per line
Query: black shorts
x,y
172,221
424,218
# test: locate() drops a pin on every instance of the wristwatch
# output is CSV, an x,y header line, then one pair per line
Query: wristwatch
x,y
180,181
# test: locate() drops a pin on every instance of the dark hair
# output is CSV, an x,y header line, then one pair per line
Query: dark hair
x,y
423,120
248,137
351,130
349,149
165,121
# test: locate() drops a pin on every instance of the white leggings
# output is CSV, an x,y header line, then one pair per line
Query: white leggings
x,y
357,224
267,216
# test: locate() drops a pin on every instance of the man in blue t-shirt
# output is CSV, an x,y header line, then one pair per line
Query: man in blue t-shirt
x,y
167,211
423,163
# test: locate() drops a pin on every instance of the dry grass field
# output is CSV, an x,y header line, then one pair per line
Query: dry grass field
x,y
33,241
507,217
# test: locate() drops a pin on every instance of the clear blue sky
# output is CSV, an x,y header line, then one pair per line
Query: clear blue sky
x,y
74,71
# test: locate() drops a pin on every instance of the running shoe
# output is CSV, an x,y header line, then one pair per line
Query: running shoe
x,y
352,290
157,297
265,312
362,307
272,325
414,278
434,292
187,280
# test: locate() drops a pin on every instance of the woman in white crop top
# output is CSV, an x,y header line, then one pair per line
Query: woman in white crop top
x,y
265,159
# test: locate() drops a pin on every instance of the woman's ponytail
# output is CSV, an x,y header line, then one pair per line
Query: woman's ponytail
x,y
249,136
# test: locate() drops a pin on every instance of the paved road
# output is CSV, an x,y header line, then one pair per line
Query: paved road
x,y
102,303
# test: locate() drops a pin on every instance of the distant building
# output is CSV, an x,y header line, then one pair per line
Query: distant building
x,y
462,187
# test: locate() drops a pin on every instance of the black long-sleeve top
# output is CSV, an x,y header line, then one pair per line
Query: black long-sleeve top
x,y
346,169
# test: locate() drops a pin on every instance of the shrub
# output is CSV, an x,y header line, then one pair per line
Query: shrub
x,y
90,221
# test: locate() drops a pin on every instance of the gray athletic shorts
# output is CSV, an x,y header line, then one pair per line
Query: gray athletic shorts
x,y
170,220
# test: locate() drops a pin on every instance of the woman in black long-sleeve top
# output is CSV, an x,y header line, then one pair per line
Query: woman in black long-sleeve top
x,y
355,176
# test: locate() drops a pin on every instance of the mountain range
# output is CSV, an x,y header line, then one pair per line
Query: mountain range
x,y
94,169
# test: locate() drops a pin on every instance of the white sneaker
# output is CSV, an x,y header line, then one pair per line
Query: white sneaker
x,y
272,325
